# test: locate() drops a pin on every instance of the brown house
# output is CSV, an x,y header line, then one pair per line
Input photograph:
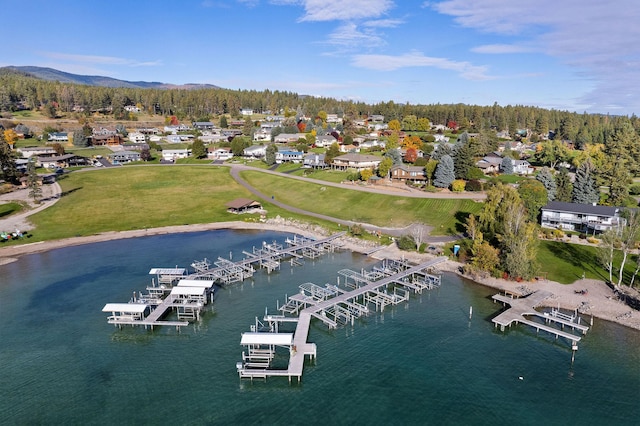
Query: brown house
x,y
405,173
110,140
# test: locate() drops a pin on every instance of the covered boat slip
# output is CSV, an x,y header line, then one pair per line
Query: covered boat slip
x,y
334,307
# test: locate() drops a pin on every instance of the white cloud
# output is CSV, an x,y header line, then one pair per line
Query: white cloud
x,y
383,23
102,60
416,59
348,36
597,39
500,48
341,10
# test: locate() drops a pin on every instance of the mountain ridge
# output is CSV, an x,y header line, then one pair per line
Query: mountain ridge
x,y
51,74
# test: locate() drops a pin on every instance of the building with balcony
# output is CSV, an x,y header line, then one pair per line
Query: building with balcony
x,y
585,218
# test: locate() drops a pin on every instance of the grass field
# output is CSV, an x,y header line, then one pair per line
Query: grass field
x,y
445,215
127,198
9,209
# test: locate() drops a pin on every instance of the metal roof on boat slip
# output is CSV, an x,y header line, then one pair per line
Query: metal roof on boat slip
x,y
137,308
283,339
167,271
188,291
196,283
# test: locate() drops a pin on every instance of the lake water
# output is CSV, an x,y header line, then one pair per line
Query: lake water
x,y
423,362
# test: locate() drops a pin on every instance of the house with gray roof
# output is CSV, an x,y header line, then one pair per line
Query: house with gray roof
x,y
585,218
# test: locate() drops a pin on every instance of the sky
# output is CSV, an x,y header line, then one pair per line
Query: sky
x,y
574,55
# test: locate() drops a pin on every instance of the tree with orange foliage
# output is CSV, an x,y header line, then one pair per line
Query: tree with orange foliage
x,y
412,142
411,155
302,126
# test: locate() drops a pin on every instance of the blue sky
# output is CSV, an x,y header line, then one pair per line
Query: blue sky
x,y
576,55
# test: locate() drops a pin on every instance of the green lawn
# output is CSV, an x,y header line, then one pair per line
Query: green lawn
x,y
445,215
9,209
127,198
336,176
566,263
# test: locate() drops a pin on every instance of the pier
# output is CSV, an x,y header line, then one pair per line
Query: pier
x,y
175,290
520,308
333,306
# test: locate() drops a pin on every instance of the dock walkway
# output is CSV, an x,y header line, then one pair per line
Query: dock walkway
x,y
522,307
329,306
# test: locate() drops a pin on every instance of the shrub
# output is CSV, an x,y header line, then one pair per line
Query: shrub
x,y
473,185
458,185
634,189
558,234
356,229
592,240
406,242
475,173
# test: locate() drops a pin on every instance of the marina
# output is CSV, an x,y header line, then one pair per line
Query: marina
x,y
64,364
334,307
174,290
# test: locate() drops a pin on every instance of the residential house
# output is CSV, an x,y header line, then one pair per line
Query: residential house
x,y
203,125
288,156
255,151
262,135
404,173
123,157
246,111
131,108
62,161
174,154
333,118
57,137
173,138
106,139
489,165
37,151
222,154
586,218
522,167
138,147
356,161
325,141
313,160
137,137
376,118
289,137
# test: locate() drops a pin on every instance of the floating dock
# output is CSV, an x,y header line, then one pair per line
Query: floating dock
x,y
174,290
334,307
520,308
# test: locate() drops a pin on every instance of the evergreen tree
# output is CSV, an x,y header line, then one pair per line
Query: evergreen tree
x,y
464,161
395,155
445,173
546,178
564,187
35,190
223,122
7,164
442,150
507,166
270,155
80,139
198,149
584,186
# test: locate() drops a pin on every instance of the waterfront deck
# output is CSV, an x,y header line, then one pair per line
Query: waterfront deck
x,y
520,308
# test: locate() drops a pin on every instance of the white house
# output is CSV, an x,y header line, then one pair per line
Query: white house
x,y
289,137
220,154
314,160
255,151
136,137
285,155
37,151
58,137
262,135
522,167
246,111
585,218
174,154
325,141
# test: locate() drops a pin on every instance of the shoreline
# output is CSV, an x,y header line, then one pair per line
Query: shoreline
x,y
600,301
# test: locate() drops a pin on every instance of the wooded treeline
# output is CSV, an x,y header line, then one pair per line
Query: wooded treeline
x,y
19,90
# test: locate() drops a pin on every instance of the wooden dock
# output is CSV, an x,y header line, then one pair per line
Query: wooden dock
x,y
520,308
335,307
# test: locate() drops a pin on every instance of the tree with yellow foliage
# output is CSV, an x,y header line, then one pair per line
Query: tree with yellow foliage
x,y
10,137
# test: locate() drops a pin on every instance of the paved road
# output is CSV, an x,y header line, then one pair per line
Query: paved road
x,y
396,232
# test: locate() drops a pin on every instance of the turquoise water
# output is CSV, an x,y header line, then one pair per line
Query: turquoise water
x,y
423,362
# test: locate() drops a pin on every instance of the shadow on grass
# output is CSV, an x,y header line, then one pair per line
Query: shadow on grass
x,y
578,257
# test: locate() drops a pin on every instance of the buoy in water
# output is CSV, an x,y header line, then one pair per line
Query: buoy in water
x,y
520,377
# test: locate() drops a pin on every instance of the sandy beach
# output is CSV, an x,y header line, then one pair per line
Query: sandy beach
x,y
599,301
